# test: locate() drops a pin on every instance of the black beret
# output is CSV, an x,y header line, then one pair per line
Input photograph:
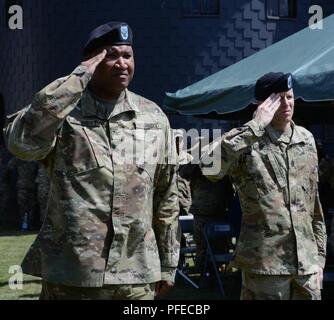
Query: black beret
x,y
273,82
109,34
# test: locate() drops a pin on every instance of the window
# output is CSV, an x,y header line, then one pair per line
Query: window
x,y
281,9
200,7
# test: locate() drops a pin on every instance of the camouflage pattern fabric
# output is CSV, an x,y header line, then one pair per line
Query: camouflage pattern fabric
x,y
185,201
26,188
276,176
43,186
112,212
51,291
211,200
264,287
183,184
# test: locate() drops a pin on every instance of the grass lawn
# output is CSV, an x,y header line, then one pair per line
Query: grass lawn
x,y
13,247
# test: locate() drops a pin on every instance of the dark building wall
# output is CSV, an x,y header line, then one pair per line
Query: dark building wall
x,y
171,51
326,5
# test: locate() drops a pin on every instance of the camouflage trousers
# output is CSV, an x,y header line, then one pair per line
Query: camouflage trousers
x,y
51,291
289,287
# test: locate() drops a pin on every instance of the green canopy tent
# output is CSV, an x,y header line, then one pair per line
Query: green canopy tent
x,y
307,54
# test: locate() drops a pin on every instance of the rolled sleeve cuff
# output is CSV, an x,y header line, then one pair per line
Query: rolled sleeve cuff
x,y
168,274
256,127
82,71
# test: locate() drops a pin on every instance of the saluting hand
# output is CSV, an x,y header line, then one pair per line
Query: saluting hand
x,y
265,112
92,63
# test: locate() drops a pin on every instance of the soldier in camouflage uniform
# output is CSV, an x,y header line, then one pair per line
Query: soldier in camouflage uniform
x,y
43,186
211,202
325,174
282,245
112,220
26,189
183,184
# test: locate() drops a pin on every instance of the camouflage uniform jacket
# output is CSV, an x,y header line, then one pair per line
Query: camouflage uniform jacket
x,y
184,193
283,230
110,220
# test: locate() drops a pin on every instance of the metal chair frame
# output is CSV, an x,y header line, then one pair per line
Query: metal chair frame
x,y
213,232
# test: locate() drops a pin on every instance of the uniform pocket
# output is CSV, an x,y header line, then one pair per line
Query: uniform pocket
x,y
280,177
80,147
261,175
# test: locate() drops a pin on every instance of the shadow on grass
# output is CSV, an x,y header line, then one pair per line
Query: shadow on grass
x,y
5,284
